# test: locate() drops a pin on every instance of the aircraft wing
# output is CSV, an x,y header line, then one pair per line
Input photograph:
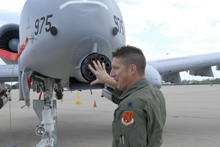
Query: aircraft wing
x,y
6,73
196,65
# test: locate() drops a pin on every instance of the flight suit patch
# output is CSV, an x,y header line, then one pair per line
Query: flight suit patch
x,y
127,118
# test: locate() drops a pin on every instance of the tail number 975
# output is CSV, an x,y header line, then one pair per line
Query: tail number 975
x,y
39,23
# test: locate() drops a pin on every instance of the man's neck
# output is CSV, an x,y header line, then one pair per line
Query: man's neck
x,y
134,80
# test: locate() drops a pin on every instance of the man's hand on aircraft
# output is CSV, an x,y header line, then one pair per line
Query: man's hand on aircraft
x,y
101,75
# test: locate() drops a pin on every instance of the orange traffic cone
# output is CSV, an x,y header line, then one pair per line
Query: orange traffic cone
x,y
95,104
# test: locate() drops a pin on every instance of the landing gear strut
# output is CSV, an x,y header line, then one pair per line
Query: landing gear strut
x,y
46,112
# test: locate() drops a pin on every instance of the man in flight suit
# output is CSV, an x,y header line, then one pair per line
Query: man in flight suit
x,y
141,114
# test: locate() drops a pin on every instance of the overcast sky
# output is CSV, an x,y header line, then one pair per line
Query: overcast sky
x,y
177,27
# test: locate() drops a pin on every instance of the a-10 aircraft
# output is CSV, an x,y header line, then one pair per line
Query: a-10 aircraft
x,y
57,40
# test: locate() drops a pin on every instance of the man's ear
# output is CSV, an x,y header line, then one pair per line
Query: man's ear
x,y
133,69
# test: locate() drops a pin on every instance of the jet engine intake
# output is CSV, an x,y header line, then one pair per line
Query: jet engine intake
x,y
9,39
87,73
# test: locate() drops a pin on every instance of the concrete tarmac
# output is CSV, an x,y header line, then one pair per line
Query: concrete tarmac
x,y
193,119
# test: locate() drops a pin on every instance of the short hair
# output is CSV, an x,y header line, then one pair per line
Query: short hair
x,y
131,55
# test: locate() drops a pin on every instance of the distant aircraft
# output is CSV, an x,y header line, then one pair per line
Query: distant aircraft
x,y
59,39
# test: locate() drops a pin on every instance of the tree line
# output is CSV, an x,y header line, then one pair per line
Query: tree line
x,y
204,81
14,86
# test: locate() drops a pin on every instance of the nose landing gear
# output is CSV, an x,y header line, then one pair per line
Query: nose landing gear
x,y
46,112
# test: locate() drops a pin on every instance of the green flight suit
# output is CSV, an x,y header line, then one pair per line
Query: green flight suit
x,y
140,117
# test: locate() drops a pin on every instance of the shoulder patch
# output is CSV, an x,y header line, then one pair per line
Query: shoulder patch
x,y
127,118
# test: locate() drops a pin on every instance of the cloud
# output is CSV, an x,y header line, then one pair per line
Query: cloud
x,y
12,5
133,22
180,28
175,18
150,57
142,45
159,56
9,17
199,48
194,38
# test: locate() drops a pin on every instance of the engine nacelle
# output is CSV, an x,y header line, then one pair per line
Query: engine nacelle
x,y
207,71
153,76
173,78
9,39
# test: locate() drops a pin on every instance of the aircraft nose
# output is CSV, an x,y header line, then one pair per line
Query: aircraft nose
x,y
153,76
158,83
